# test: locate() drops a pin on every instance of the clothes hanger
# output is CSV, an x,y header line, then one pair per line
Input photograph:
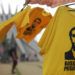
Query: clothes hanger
x,y
25,4
67,5
70,4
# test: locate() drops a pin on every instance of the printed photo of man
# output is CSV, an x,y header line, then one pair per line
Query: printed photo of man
x,y
29,30
70,55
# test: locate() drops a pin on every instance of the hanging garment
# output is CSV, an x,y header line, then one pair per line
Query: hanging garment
x,y
17,20
38,19
58,46
3,31
52,3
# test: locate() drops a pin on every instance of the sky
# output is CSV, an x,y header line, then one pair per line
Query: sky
x,y
19,4
13,4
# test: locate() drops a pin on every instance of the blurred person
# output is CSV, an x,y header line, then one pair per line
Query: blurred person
x,y
10,47
13,55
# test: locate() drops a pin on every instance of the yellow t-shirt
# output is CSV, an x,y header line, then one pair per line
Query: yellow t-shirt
x,y
58,43
38,19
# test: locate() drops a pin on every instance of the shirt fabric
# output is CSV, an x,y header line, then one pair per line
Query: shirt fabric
x,y
56,45
38,19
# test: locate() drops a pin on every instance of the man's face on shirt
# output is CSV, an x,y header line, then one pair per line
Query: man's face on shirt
x,y
30,29
73,36
36,22
73,39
